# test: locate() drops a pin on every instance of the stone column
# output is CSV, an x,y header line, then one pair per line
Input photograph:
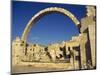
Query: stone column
x,y
72,58
88,26
91,14
92,43
76,62
83,40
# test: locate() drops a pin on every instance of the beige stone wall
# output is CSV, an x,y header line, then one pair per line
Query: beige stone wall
x,y
54,51
17,51
37,53
88,26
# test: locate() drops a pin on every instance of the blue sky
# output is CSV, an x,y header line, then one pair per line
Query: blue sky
x,y
50,28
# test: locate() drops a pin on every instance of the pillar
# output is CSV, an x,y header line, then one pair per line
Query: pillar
x,y
76,62
83,40
92,43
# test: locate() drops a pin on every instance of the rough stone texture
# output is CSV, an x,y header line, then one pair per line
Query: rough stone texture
x,y
91,11
92,43
88,26
18,48
83,40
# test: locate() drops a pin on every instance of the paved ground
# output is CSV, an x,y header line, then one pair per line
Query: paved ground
x,y
39,67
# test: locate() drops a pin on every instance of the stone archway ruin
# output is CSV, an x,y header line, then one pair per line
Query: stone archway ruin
x,y
43,12
83,43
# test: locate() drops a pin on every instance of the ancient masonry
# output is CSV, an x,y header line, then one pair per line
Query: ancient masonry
x,y
78,52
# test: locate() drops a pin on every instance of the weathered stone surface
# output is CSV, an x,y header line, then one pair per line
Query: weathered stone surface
x,y
92,33
91,11
18,48
88,26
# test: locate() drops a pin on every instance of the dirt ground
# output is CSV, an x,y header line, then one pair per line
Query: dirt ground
x,y
41,67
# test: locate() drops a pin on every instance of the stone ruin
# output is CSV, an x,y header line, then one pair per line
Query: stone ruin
x,y
79,51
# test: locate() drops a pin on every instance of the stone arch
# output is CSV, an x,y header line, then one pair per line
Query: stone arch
x,y
43,12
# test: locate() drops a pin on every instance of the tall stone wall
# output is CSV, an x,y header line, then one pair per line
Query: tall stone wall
x,y
88,26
